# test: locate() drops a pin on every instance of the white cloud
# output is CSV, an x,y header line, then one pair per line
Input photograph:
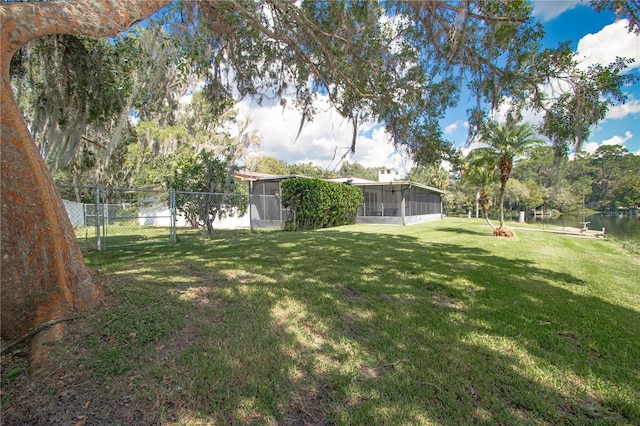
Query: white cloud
x,y
547,10
455,126
621,111
322,141
618,140
592,146
610,42
451,128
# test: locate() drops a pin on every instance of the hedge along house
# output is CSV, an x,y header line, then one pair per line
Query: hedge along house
x,y
385,201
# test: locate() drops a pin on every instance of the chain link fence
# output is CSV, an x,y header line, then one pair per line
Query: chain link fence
x,y
112,217
209,211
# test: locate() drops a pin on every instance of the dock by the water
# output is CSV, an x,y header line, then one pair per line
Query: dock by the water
x,y
569,231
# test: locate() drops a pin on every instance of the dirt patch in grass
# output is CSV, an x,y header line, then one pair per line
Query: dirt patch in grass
x,y
307,408
350,325
447,302
351,295
69,394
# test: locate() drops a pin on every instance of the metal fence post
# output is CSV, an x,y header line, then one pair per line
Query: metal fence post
x,y
172,208
250,213
97,201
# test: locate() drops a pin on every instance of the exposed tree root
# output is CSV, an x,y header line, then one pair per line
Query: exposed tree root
x,y
37,330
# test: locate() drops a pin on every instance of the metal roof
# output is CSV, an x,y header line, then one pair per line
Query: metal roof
x,y
356,182
401,183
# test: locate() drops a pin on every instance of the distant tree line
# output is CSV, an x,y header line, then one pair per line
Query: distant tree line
x,y
607,179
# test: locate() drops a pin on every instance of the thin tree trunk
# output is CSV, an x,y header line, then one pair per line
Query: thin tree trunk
x,y
43,273
483,200
74,182
486,217
503,186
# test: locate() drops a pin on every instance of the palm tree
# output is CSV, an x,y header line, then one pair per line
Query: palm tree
x,y
480,172
506,142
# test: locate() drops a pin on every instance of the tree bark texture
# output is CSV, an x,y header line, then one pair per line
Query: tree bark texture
x,y
43,276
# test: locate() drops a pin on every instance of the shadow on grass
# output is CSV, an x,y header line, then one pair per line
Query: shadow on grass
x,y
467,231
345,327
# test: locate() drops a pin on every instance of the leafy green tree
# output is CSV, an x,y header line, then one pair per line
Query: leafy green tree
x,y
618,170
565,199
142,167
623,9
581,173
505,143
625,191
608,160
207,188
269,165
43,274
516,194
377,61
540,166
358,170
202,116
581,187
534,200
77,94
146,160
310,170
568,121
458,199
435,176
70,88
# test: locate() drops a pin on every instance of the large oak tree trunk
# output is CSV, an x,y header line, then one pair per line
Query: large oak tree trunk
x,y
43,276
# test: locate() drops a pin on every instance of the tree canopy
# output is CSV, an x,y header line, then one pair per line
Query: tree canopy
x,y
402,64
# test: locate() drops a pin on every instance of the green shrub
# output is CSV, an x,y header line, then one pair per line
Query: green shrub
x,y
316,203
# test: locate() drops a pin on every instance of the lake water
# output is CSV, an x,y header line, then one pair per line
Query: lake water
x,y
622,226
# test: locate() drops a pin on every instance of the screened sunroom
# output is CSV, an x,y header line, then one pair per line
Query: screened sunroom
x,y
392,203
399,203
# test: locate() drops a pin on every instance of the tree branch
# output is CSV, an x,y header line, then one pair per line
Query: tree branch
x,y
23,22
98,144
484,18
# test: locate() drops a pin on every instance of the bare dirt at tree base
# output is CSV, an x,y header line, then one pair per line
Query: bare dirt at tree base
x,y
69,395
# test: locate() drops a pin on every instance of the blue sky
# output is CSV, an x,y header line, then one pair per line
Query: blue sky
x,y
599,35
596,38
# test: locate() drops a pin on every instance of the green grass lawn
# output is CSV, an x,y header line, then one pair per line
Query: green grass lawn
x,y
438,323
121,233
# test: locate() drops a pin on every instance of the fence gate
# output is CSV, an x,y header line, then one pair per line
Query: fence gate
x,y
112,217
